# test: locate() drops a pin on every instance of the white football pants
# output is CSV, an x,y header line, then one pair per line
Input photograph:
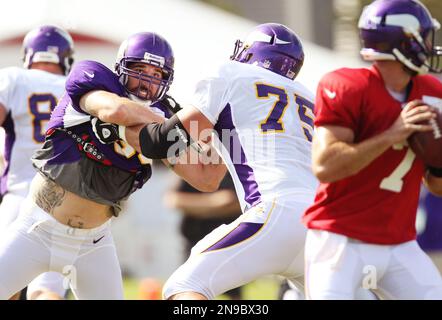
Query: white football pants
x,y
266,239
337,265
36,243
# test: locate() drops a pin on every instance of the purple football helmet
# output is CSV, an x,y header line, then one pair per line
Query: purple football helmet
x,y
400,30
48,44
274,47
152,49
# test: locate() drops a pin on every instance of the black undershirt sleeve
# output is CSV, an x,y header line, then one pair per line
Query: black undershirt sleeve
x,y
164,140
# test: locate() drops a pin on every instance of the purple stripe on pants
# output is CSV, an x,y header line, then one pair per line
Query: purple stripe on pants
x,y
242,232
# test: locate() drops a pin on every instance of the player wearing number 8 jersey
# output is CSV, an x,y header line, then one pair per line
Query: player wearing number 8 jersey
x,y
264,120
365,207
64,224
27,98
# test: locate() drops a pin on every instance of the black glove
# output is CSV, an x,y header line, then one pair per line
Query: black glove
x,y
105,132
170,104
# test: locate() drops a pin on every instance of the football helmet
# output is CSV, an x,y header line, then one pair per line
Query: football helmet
x,y
401,30
274,47
48,44
149,48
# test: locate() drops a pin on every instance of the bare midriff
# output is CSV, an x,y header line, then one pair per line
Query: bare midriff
x,y
67,207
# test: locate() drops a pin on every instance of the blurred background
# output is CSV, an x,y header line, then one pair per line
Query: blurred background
x,y
148,233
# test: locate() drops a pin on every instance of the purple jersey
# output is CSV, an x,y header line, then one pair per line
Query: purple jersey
x,y
87,76
62,158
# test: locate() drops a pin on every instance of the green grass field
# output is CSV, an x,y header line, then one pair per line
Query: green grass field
x,y
262,289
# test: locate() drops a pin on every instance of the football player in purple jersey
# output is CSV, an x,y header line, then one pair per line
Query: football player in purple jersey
x,y
64,224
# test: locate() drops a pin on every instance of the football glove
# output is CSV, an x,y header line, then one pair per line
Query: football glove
x,y
170,104
105,132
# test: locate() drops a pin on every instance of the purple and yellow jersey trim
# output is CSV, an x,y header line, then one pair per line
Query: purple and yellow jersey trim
x,y
244,172
242,232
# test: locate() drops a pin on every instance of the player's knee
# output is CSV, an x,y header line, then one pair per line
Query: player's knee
x,y
44,295
435,293
179,289
329,295
170,289
188,295
365,294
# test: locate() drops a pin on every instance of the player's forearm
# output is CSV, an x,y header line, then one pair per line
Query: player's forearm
x,y
132,134
157,142
110,107
341,159
203,177
135,114
201,166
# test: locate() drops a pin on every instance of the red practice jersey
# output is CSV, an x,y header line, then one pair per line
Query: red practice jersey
x,y
379,203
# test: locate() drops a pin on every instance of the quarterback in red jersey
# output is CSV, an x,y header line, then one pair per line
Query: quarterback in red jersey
x,y
362,223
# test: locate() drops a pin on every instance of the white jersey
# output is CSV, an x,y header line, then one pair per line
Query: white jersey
x,y
271,120
29,96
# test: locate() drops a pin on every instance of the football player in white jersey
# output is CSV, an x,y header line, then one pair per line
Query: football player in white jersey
x,y
27,97
264,120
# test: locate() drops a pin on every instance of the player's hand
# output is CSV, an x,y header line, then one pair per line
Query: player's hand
x,y
105,132
171,104
414,117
